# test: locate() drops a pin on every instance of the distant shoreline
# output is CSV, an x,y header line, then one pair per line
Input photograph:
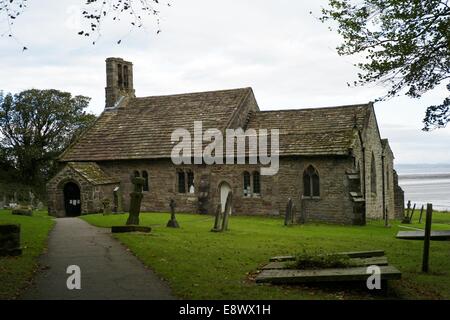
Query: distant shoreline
x,y
436,175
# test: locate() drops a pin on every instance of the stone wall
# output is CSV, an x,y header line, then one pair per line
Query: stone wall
x,y
91,195
334,204
373,146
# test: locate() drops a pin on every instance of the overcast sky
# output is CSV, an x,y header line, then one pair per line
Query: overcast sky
x,y
277,47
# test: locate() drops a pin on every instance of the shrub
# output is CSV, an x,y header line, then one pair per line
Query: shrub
x,y
306,260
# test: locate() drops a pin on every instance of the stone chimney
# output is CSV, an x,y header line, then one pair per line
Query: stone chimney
x,y
119,81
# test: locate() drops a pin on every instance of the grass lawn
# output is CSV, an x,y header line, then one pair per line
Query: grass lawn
x,y
16,272
200,264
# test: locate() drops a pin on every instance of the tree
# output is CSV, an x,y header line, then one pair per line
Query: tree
x,y
35,127
405,45
94,13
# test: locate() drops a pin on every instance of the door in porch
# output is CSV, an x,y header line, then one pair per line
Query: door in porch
x,y
72,199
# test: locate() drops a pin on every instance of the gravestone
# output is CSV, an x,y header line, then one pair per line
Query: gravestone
x,y
106,206
135,200
227,211
117,207
10,240
22,211
218,219
173,223
289,216
31,196
203,195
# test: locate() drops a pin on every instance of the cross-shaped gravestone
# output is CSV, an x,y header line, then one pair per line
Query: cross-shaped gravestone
x,y
426,236
135,200
173,223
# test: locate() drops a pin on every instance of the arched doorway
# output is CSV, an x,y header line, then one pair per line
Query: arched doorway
x,y
72,199
224,189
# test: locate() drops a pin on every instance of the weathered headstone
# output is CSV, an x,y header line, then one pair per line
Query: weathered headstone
x,y
288,218
31,196
22,211
106,206
117,207
10,240
173,223
135,200
227,211
218,219
406,217
203,195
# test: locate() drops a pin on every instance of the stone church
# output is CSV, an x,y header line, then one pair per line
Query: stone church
x,y
333,163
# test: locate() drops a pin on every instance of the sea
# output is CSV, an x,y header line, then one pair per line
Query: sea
x,y
426,183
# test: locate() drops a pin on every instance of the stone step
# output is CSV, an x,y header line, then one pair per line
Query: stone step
x,y
370,261
356,194
324,275
351,254
353,176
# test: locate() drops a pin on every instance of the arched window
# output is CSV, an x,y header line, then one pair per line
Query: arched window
x,y
136,174
190,182
256,183
247,187
145,176
388,181
125,76
373,175
311,182
181,182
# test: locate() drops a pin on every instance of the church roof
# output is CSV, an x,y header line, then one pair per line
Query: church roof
x,y
141,128
314,131
92,173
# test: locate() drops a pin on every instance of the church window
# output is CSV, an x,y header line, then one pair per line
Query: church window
x,y
181,182
247,187
125,77
190,182
311,182
256,183
373,175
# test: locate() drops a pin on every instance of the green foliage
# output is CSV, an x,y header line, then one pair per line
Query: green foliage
x,y
405,45
320,260
35,127
17,272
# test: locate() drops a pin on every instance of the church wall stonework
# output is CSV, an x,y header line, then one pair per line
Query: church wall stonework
x,y
91,195
334,204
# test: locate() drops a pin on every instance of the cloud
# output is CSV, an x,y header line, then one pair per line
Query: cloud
x,y
277,47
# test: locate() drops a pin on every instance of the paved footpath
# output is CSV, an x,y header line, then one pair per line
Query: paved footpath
x,y
108,270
